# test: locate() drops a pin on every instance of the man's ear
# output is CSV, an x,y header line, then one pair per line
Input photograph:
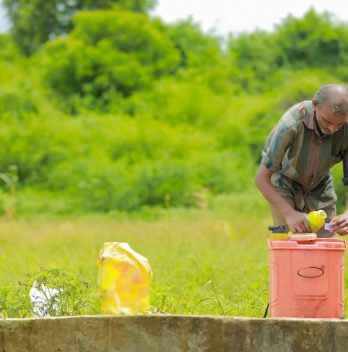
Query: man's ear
x,y
314,104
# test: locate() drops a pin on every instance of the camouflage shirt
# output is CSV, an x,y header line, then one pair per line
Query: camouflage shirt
x,y
301,157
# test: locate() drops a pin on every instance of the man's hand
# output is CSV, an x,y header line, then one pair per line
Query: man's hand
x,y
297,222
339,224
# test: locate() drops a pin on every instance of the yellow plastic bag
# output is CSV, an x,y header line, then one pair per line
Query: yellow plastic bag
x,y
124,279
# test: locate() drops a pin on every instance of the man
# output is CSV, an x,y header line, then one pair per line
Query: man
x,y
295,171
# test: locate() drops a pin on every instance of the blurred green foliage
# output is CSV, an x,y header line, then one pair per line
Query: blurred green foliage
x,y
108,54
124,112
36,21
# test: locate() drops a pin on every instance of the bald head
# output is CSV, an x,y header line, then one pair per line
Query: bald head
x,y
334,96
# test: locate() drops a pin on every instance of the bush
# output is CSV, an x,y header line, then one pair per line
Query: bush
x,y
109,54
76,297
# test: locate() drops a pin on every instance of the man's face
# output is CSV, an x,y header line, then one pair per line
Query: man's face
x,y
327,121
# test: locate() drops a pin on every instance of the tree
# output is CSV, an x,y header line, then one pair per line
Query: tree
x,y
36,21
196,48
316,40
109,54
255,56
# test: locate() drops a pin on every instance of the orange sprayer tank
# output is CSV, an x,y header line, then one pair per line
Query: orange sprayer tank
x,y
307,278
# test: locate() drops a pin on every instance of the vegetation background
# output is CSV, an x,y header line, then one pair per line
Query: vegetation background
x,y
107,111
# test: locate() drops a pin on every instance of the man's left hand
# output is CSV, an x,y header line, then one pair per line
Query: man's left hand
x,y
339,224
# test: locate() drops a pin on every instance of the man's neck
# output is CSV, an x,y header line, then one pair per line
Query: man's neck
x,y
317,126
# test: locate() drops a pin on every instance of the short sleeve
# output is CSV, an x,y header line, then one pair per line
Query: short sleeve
x,y
276,145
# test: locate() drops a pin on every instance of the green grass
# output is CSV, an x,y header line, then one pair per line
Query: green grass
x,y
201,265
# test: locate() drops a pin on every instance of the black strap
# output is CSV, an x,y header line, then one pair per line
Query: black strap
x,y
266,311
345,168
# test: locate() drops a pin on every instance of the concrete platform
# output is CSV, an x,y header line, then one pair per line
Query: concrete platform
x,y
168,333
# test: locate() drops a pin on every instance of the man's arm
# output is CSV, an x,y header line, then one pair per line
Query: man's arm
x,y
296,220
339,224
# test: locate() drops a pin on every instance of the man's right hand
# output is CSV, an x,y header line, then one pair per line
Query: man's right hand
x,y
297,222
